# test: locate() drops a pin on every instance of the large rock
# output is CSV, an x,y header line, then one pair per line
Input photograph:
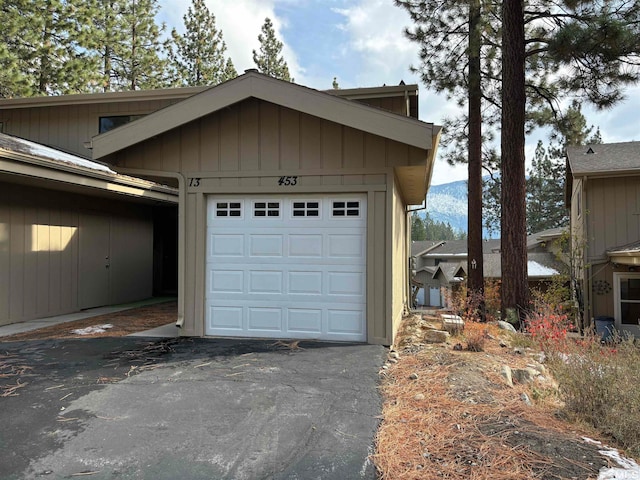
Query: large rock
x,y
506,374
525,375
436,336
506,326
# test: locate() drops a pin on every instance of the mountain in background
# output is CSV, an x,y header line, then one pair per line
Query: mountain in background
x,y
448,203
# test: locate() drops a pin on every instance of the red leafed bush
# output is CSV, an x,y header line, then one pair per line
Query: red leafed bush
x,y
549,327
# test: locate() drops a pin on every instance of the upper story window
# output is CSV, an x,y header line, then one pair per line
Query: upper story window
x,y
115,121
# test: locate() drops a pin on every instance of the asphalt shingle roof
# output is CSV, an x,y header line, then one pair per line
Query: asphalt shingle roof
x,y
605,157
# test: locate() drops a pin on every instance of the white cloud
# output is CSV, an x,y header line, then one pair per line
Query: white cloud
x,y
240,22
375,28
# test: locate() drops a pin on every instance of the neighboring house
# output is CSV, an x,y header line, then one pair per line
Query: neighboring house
x,y
442,265
74,234
293,202
603,191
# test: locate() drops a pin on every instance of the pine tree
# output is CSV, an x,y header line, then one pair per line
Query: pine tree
x,y
199,54
545,189
586,47
426,228
545,199
269,60
513,229
14,54
41,48
127,44
475,279
418,231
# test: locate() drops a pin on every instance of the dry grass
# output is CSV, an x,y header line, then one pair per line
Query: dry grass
x,y
450,414
124,323
599,384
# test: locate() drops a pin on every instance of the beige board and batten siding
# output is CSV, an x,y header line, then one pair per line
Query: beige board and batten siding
x,y
41,253
399,257
70,127
246,148
613,213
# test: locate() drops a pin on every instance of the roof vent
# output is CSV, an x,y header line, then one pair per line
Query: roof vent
x,y
251,70
590,151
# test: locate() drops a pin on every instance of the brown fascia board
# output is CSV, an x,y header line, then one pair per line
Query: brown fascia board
x,y
374,92
379,122
95,98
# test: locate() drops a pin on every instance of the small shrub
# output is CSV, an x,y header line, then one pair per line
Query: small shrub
x,y
475,342
548,326
599,385
468,305
521,340
476,335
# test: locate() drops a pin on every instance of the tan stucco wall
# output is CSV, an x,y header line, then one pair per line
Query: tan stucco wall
x,y
247,148
40,254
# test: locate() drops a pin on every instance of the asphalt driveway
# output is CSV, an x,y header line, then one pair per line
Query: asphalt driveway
x,y
136,408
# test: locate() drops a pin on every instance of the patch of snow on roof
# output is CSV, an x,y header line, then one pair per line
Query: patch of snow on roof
x,y
37,150
535,269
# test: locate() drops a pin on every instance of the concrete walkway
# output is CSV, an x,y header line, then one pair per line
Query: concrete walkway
x,y
164,331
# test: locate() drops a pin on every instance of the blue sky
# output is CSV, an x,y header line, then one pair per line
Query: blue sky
x,y
360,42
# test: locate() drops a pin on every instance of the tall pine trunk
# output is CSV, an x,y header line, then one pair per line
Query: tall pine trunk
x,y
475,269
515,292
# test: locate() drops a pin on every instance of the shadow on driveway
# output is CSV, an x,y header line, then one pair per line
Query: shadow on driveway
x,y
136,408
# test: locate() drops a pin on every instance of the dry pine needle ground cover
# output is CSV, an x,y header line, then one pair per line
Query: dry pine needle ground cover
x,y
124,323
449,413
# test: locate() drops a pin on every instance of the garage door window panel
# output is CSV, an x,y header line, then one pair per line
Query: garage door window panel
x,y
341,209
306,209
229,209
265,209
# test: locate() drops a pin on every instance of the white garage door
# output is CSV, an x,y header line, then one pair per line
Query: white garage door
x,y
286,266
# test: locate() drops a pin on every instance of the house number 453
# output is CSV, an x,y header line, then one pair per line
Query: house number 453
x,y
288,181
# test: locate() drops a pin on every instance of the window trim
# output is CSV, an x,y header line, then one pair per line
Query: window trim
x,y
132,117
346,209
306,209
267,209
228,209
617,301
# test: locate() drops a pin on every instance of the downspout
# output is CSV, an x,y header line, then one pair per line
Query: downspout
x,y
588,271
182,210
407,304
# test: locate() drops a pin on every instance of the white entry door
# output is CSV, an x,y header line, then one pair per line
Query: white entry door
x,y
290,266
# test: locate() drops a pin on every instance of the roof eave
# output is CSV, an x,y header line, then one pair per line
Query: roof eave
x,y
32,166
95,98
313,102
